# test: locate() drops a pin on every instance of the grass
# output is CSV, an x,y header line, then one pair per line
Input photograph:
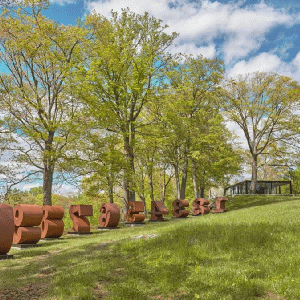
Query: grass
x,y
250,252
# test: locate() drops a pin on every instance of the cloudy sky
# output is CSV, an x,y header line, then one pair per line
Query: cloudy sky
x,y
248,35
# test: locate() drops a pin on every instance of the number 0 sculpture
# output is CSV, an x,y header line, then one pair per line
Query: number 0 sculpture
x,y
6,228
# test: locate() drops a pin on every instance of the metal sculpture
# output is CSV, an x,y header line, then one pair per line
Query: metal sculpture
x,y
220,205
200,207
52,225
133,214
78,215
6,228
158,209
26,216
178,208
110,215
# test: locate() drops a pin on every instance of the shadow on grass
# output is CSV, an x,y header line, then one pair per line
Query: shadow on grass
x,y
245,201
214,263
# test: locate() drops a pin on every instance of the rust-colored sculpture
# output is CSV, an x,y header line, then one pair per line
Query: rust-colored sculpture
x,y
110,215
133,212
52,224
158,209
26,216
178,208
220,205
6,228
78,214
200,206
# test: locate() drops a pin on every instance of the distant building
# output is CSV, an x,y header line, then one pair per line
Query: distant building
x,y
262,187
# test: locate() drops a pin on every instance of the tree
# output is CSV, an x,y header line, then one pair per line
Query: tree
x,y
260,103
190,105
39,107
124,58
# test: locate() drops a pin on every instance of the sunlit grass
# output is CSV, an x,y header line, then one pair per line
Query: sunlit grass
x,y
241,254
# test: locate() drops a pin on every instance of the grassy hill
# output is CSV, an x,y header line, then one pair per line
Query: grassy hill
x,y
250,252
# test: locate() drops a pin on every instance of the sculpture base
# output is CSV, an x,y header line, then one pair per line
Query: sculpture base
x,y
6,256
24,246
134,224
48,239
107,228
79,233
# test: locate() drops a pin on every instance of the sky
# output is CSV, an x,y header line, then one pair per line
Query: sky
x,y
248,35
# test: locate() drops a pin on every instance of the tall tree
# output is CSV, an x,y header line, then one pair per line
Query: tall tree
x,y
125,55
191,103
260,103
40,109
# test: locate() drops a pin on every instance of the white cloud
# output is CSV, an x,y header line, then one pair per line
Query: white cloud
x,y
267,62
264,62
200,23
206,51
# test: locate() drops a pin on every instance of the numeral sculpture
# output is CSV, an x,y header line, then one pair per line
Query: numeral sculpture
x,y
158,209
133,214
220,205
200,206
52,225
110,215
6,229
178,208
26,216
78,214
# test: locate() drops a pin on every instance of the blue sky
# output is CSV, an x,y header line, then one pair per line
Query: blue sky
x,y
249,35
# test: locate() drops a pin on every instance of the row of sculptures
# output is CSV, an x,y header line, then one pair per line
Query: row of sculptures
x,y
26,224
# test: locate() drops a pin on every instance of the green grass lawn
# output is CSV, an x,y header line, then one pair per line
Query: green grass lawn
x,y
250,252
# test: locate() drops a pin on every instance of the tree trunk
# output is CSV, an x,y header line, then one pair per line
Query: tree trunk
x,y
176,171
110,184
129,194
254,175
47,183
151,186
202,192
184,177
194,176
48,170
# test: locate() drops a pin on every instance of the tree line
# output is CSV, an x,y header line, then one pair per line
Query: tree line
x,y
105,102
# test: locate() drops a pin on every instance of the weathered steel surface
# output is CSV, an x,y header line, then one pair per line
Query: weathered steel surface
x,y
78,215
220,205
110,215
26,216
133,214
200,206
52,224
178,208
158,209
6,228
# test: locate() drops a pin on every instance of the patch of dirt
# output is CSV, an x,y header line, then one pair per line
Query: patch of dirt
x,y
32,291
275,297
100,293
